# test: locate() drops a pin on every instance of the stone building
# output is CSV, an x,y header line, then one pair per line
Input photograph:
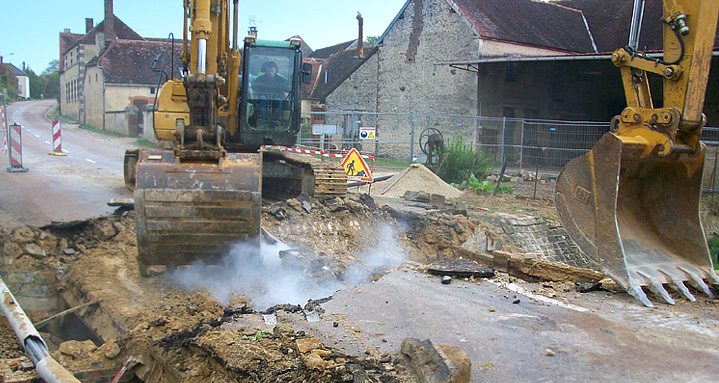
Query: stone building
x,y
401,74
106,76
510,58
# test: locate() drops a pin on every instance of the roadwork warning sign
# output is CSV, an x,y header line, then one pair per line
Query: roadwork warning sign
x,y
356,168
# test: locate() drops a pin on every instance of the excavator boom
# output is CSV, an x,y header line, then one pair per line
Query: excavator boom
x,y
632,202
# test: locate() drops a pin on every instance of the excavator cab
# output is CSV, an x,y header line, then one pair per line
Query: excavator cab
x,y
632,202
270,105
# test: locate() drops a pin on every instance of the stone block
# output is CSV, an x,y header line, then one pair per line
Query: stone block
x,y
433,363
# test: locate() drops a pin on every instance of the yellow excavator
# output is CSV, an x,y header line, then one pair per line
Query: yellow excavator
x,y
632,202
201,190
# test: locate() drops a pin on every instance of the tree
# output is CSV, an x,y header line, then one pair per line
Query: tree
x,y
51,80
370,41
36,84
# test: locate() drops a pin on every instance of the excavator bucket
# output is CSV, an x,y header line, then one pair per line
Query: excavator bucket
x,y
638,218
189,211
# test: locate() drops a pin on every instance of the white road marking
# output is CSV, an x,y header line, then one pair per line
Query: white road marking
x,y
37,136
90,161
521,290
47,142
65,151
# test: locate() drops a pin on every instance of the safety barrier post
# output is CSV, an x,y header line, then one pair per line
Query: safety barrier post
x,y
16,149
3,126
56,140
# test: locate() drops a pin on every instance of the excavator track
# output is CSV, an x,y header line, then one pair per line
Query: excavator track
x,y
287,174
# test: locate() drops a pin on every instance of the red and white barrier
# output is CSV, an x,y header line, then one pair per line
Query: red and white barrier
x,y
3,127
56,140
306,151
16,149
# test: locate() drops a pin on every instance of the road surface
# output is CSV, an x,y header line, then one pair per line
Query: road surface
x,y
60,188
594,337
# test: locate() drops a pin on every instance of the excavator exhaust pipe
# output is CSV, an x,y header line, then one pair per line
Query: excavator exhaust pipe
x,y
638,219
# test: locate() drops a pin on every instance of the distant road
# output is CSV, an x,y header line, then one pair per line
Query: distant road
x,y
61,188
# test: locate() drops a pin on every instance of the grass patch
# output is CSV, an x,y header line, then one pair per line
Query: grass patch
x,y
54,115
391,162
99,131
483,186
145,143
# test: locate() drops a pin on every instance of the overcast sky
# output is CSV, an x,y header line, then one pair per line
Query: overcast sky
x,y
29,30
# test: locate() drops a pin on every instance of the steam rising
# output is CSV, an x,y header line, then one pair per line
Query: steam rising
x,y
268,279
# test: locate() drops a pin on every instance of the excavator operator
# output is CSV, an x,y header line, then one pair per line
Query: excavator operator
x,y
271,89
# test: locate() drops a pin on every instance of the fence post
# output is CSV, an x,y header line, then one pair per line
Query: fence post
x,y
504,123
411,143
521,148
16,149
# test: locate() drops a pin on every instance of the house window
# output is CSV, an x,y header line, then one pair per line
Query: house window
x,y
95,77
152,90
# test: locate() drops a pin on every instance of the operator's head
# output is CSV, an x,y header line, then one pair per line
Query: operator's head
x,y
269,68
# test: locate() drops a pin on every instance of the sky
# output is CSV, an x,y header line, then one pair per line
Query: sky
x,y
29,31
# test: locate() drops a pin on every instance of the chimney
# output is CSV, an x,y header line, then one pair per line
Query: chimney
x,y
23,66
109,20
89,23
1,60
360,39
253,32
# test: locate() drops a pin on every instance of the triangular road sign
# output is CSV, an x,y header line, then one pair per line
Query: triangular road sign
x,y
356,168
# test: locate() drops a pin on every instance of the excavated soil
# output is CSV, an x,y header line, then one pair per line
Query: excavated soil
x,y
179,324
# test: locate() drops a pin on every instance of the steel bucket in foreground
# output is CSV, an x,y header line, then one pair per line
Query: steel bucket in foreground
x,y
638,218
195,211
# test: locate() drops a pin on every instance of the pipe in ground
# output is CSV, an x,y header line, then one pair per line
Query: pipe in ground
x,y
46,367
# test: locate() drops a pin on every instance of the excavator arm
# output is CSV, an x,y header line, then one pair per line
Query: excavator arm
x,y
632,202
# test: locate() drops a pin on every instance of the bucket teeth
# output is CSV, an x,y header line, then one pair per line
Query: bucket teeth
x,y
699,284
684,290
639,295
658,289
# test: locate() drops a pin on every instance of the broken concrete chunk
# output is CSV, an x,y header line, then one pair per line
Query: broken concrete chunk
x,y
436,199
68,251
446,280
112,350
11,249
306,206
305,345
75,349
34,250
460,268
433,363
23,235
107,232
460,208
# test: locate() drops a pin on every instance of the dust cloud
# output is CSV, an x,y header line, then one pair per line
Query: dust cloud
x,y
279,274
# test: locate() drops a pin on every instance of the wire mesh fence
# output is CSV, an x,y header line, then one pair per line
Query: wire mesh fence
x,y
526,145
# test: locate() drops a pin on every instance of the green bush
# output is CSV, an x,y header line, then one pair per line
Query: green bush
x,y
484,186
455,162
713,249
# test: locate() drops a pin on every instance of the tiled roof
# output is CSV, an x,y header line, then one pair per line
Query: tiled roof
x,y
16,71
325,53
129,61
528,22
337,69
122,31
610,20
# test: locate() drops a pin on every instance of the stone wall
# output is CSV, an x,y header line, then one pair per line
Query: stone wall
x,y
403,76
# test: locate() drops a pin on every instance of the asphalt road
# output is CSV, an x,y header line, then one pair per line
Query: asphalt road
x,y
60,188
595,337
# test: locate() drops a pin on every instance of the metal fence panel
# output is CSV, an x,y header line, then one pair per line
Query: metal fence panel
x,y
525,144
